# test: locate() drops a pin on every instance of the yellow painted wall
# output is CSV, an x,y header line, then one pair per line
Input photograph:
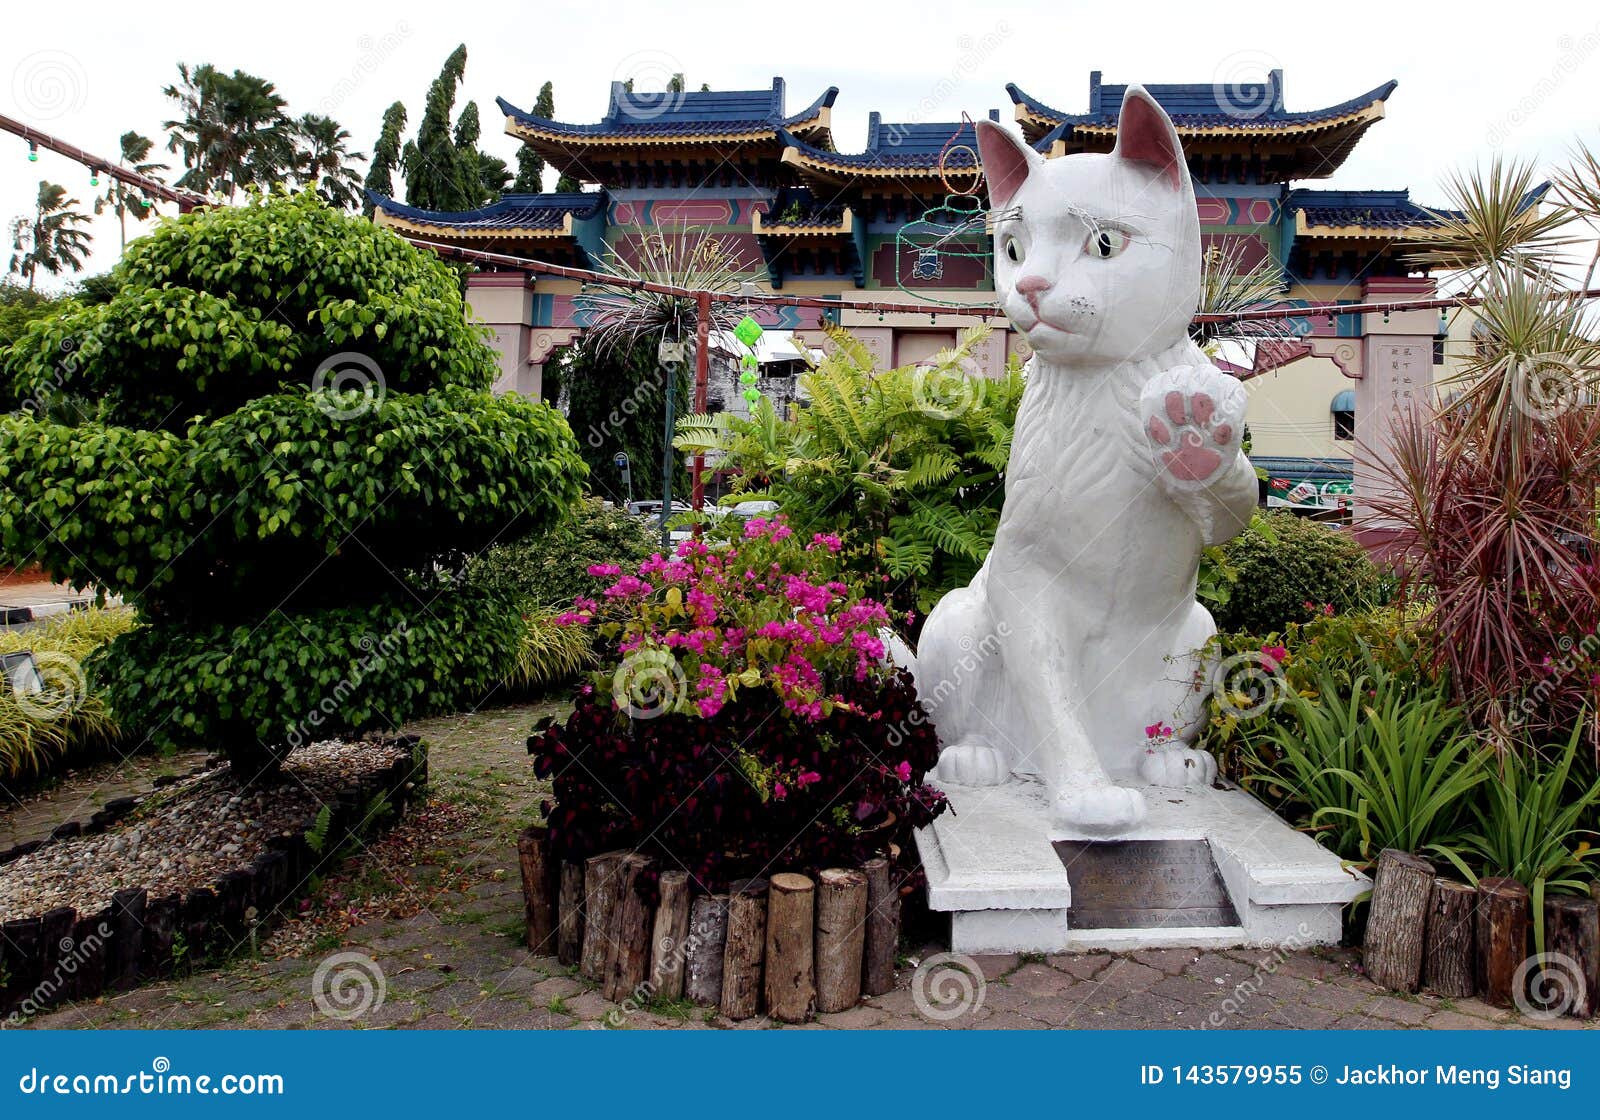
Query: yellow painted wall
x,y
1288,412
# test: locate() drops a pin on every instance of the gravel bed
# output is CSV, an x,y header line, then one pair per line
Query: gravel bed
x,y
187,834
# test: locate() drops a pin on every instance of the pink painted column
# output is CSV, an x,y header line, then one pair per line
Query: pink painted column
x,y
504,302
1396,374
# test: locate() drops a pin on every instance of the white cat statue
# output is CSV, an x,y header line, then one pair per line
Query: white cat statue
x,y
1125,464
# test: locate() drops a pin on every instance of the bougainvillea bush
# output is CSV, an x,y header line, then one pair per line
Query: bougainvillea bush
x,y
749,721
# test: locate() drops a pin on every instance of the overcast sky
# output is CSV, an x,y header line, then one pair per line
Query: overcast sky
x,y
1524,84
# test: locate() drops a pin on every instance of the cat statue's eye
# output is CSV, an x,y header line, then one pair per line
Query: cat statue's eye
x,y
1106,243
1012,248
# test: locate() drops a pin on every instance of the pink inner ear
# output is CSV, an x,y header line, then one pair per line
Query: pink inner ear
x,y
1144,137
1005,164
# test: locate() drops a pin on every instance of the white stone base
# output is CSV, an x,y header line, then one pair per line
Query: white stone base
x,y
990,864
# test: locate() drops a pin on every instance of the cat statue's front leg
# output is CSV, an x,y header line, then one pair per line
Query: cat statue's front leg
x,y
1194,417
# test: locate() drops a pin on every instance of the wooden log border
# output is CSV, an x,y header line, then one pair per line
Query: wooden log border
x,y
685,941
62,955
1467,939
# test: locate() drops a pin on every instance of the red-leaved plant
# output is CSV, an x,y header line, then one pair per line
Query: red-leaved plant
x,y
1495,490
750,721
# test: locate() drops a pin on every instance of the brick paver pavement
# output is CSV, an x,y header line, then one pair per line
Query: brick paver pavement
x,y
448,921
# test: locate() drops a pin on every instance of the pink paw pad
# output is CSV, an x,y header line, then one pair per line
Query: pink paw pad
x,y
1189,447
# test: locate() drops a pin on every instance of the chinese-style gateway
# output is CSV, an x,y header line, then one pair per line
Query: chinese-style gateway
x,y
807,219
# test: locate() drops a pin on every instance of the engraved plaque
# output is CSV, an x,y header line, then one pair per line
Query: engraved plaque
x,y
1144,884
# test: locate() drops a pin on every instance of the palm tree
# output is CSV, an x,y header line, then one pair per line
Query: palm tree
x,y
231,130
122,199
49,239
323,161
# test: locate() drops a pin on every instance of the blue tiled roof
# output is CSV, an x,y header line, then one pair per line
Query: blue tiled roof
x,y
908,145
683,114
1381,209
511,211
1198,105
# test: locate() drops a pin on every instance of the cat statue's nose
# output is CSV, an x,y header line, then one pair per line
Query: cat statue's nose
x,y
1032,285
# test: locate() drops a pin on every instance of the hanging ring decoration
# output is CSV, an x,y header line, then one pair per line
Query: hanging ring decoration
x,y
951,147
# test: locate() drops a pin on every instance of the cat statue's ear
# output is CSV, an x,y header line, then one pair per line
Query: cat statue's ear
x,y
1007,162
1145,135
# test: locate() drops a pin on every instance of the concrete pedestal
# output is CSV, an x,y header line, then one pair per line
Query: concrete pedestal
x,y
991,865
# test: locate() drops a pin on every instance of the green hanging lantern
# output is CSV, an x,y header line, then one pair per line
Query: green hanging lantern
x,y
749,332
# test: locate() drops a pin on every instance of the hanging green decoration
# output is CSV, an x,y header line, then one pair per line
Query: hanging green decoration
x,y
957,228
749,333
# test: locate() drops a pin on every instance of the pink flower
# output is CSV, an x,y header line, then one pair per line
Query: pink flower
x,y
779,790
604,571
628,587
825,540
810,777
903,771
1273,657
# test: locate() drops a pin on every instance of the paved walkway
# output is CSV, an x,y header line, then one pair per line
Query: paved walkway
x,y
431,915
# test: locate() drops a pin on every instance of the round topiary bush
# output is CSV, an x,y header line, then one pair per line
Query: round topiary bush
x,y
1290,569
278,442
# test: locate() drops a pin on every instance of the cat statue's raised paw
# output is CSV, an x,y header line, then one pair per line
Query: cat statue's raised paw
x,y
1125,464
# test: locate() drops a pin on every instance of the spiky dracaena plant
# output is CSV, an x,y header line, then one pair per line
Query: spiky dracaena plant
x,y
624,311
1495,489
1228,284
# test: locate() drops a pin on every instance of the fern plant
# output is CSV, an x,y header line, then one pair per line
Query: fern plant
x,y
907,464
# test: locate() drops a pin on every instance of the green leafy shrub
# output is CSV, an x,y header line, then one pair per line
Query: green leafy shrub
x,y
905,464
215,469
287,680
1371,763
1530,825
545,572
1341,645
41,732
1290,569
551,569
